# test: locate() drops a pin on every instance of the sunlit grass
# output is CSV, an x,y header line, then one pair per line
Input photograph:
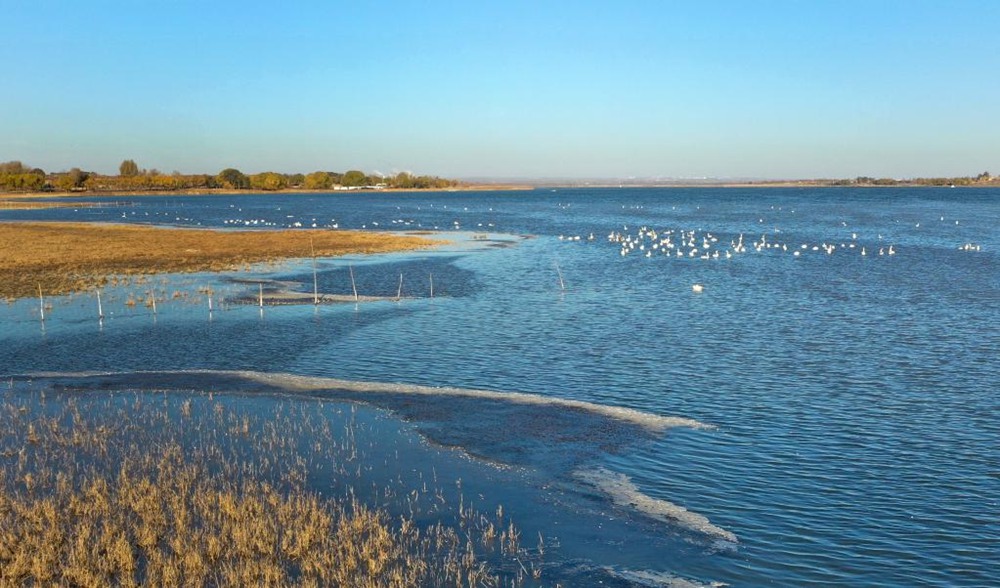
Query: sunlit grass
x,y
74,257
172,490
16,204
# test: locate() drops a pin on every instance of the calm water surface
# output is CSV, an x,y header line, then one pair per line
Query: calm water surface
x,y
851,400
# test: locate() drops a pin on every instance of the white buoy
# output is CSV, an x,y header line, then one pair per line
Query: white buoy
x,y
697,288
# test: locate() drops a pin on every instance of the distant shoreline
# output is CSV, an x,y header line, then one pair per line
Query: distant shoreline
x,y
754,185
232,192
760,184
483,187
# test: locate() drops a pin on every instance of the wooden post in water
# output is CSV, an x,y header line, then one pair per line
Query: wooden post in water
x,y
399,292
312,249
100,310
562,285
41,302
353,285
431,276
260,295
315,286
153,294
210,302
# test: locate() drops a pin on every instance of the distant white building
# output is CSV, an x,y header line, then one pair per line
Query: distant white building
x,y
381,186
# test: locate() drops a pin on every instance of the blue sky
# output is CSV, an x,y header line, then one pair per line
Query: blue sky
x,y
766,89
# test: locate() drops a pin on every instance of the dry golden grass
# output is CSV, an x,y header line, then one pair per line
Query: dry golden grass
x,y
73,257
172,523
140,493
29,205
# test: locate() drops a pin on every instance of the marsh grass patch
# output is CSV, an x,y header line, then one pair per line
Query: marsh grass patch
x,y
61,258
202,489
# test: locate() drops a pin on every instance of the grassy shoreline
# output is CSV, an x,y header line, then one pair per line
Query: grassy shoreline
x,y
10,197
62,258
26,203
232,192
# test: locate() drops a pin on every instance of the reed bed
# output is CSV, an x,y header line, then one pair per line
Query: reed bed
x,y
61,258
165,490
35,205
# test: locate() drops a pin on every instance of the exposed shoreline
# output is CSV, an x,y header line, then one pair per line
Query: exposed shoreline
x,y
61,258
8,198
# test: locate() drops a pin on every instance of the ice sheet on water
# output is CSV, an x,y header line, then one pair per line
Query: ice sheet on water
x,y
297,383
559,438
660,579
508,428
623,492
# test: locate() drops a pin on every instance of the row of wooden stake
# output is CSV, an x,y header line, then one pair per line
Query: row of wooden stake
x,y
260,295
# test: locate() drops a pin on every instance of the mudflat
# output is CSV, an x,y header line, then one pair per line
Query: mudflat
x,y
72,257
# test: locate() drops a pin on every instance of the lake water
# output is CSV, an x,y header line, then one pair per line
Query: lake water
x,y
838,411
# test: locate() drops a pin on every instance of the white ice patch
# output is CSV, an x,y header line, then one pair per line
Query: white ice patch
x,y
652,422
660,579
620,489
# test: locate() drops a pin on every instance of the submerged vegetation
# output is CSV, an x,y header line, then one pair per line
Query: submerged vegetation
x,y
61,258
145,488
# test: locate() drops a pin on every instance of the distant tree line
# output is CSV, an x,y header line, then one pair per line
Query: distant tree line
x,y
982,179
17,177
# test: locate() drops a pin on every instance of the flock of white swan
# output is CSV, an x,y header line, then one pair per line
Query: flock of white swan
x,y
694,244
314,223
705,245
647,242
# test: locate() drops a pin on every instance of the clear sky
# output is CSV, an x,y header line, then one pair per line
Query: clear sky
x,y
778,89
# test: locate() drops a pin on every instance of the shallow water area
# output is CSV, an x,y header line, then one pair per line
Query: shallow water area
x,y
402,467
63,431
849,400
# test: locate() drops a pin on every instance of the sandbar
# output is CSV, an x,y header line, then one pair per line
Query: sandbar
x,y
61,258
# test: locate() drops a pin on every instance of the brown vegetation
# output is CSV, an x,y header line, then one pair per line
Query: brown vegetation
x,y
73,257
128,491
21,204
